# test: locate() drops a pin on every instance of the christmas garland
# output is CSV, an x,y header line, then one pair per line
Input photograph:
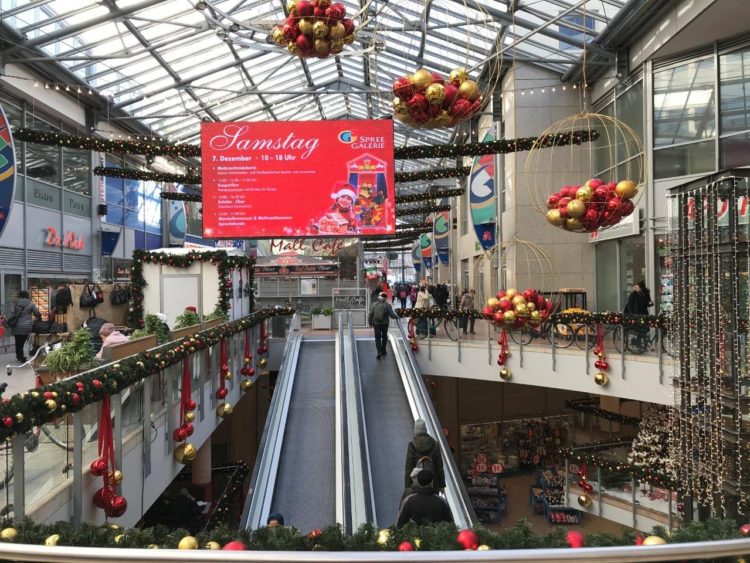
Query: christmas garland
x,y
589,406
44,404
432,174
638,473
224,264
178,196
600,445
147,175
430,195
222,513
421,210
626,320
438,313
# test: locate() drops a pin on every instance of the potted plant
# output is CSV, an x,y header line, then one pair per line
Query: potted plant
x,y
321,318
185,324
73,357
152,324
214,318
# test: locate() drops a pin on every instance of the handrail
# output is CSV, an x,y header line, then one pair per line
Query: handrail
x,y
637,554
263,480
343,470
463,512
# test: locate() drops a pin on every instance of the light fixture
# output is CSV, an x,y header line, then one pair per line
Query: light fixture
x,y
89,90
46,86
57,87
36,84
79,90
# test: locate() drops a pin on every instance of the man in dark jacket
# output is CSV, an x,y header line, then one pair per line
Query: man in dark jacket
x,y
380,313
423,445
424,506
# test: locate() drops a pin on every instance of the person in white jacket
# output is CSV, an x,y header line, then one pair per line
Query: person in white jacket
x,y
424,301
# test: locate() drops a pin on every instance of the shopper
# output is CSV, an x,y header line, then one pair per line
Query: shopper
x,y
639,301
402,296
275,520
424,301
110,337
424,506
21,321
413,296
467,306
380,314
421,446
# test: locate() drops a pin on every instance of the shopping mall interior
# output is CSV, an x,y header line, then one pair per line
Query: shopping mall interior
x,y
319,280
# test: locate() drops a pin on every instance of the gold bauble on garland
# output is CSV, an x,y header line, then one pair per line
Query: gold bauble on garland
x,y
189,416
188,542
506,374
263,362
8,534
654,540
601,378
52,540
212,545
584,500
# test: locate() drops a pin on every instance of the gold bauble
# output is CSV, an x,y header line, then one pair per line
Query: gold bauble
x,y
278,36
246,385
421,79
469,89
493,302
458,75
228,376
152,546
435,94
190,452
8,534
35,394
189,416
320,30
535,316
584,193
505,374
576,208
584,500
518,300
115,476
19,417
224,410
212,545
322,47
291,5
263,362
509,317
306,26
118,538
337,45
418,543
554,217
383,536
483,547
627,190
531,305
52,540
443,118
337,31
654,540
573,224
521,310
179,453
293,49
349,39
188,542
601,378
51,404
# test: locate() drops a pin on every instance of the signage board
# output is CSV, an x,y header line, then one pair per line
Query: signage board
x,y
7,170
482,197
628,226
296,179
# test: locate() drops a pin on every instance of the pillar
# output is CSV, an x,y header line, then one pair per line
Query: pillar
x,y
201,467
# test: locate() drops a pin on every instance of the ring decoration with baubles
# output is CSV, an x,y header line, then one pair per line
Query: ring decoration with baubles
x,y
585,189
314,28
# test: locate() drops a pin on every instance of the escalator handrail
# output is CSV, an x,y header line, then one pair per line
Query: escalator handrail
x,y
467,517
343,474
371,513
263,479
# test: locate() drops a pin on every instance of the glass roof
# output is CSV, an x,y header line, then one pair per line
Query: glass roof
x,y
173,63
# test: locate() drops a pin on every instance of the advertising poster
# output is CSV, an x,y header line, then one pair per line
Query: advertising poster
x,y
7,170
416,257
177,222
482,197
441,228
297,179
425,244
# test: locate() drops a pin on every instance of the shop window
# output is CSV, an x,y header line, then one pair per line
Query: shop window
x,y
607,282
734,89
735,151
696,158
630,112
113,195
76,171
632,264
43,163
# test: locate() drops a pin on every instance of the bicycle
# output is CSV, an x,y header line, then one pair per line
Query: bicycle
x,y
638,341
563,334
419,327
585,336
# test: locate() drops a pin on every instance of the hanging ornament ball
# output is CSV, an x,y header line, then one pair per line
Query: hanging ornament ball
x,y
179,434
188,542
263,362
505,374
234,546
115,476
222,392
574,539
458,75
190,405
584,500
189,429
98,467
601,378
102,497
19,417
117,506
468,539
212,545
320,29
224,410
246,385
469,90
654,540
51,404
190,452
421,79
8,534
315,534
305,26
52,540
228,375
247,359
405,546
435,94
189,416
626,189
745,529
483,547
383,536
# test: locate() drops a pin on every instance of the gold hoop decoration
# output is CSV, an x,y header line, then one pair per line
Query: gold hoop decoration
x,y
437,92
584,189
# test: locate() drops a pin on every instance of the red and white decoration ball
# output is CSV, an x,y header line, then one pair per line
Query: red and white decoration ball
x,y
314,28
595,205
427,100
514,309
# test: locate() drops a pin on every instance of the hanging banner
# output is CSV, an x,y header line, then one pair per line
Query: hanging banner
x,y
441,226
425,245
177,222
7,171
416,257
482,196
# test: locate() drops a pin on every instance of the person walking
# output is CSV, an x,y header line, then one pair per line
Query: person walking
x,y
423,506
413,296
21,321
380,314
421,446
402,296
639,301
467,306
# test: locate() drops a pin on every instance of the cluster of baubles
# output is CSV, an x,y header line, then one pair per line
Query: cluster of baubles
x,y
426,100
185,430
107,498
247,371
588,208
314,28
512,309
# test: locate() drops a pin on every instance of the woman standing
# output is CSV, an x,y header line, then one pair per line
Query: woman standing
x,y
21,320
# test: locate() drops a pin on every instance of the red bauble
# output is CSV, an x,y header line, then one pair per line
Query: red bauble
x,y
75,397
475,106
601,193
224,367
435,110
305,8
499,319
418,102
234,546
402,88
80,385
315,534
405,546
190,405
468,539
7,422
745,529
96,383
244,371
529,294
103,496
304,43
563,203
638,540
506,304
460,108
348,25
251,371
336,12
500,294
626,208
595,183
574,539
552,201
221,393
437,78
116,507
179,434
450,95
48,395
189,428
98,467
488,311
291,31
320,13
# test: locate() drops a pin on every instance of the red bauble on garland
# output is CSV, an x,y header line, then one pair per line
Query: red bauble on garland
x,y
98,467
468,539
405,546
574,539
314,28
234,546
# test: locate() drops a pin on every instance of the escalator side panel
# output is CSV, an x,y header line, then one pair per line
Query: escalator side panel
x,y
389,428
305,490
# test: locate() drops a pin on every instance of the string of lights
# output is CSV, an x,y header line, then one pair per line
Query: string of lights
x,y
178,196
430,195
432,174
149,176
421,210
589,407
643,474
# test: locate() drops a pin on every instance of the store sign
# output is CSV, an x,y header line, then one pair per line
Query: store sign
x,y
320,246
7,171
627,227
42,195
71,240
297,178
77,205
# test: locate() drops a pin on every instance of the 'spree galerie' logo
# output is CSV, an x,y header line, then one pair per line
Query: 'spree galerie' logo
x,y
348,136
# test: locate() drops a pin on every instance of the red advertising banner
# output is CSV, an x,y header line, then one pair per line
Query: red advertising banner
x,y
297,179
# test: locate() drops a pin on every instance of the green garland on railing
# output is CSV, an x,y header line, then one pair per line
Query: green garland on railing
x,y
432,174
600,445
639,473
588,406
43,404
626,320
223,262
179,196
438,313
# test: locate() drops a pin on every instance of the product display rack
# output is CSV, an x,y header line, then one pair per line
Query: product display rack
x,y
488,497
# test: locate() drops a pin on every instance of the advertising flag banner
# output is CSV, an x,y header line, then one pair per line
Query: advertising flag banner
x,y
7,171
416,257
441,227
298,179
425,245
482,197
177,222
